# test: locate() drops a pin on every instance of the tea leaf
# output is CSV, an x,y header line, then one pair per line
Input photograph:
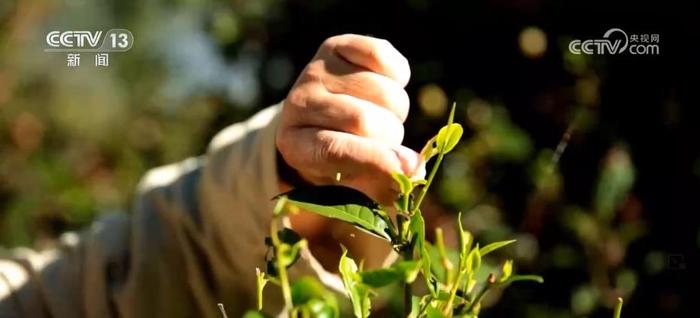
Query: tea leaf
x,y
254,314
507,270
310,293
418,228
531,278
404,271
448,137
473,262
359,293
465,242
321,309
429,150
432,312
405,184
289,254
494,246
342,203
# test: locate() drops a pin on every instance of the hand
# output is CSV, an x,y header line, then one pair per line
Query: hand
x,y
345,115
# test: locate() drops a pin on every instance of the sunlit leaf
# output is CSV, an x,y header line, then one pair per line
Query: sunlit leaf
x,y
429,150
359,293
404,182
418,229
494,246
448,137
433,312
531,278
506,270
473,262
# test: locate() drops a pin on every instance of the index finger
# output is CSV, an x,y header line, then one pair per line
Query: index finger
x,y
375,54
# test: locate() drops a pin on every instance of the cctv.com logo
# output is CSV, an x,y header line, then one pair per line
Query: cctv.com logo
x,y
616,41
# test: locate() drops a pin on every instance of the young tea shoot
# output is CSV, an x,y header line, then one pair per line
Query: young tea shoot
x,y
450,284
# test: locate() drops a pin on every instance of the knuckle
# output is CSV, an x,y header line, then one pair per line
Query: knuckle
x,y
315,71
282,142
356,122
402,105
397,101
297,97
330,42
327,147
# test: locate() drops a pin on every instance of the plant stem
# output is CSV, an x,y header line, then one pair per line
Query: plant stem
x,y
407,293
424,190
453,293
481,294
618,308
440,243
284,280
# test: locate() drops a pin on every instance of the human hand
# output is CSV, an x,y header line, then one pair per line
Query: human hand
x,y
345,115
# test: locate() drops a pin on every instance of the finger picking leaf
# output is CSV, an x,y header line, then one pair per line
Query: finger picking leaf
x,y
405,184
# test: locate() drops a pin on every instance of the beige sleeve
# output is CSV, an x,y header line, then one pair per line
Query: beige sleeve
x,y
194,238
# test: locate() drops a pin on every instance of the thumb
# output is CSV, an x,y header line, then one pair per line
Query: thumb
x,y
412,164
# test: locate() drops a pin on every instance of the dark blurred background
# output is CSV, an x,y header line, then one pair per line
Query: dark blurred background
x,y
614,214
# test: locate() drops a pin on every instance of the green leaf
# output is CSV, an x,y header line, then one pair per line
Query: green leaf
x,y
306,288
418,228
531,278
342,203
506,270
289,254
473,262
448,137
429,150
465,241
254,314
494,246
321,309
432,312
404,271
359,293
381,277
415,307
309,293
405,184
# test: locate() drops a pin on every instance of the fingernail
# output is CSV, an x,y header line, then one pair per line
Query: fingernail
x,y
409,159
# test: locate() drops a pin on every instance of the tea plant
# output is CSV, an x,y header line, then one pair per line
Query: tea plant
x,y
448,284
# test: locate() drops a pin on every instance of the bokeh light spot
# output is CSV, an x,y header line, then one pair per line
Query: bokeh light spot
x,y
432,100
533,42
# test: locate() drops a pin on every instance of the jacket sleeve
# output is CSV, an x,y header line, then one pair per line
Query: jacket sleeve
x,y
194,238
